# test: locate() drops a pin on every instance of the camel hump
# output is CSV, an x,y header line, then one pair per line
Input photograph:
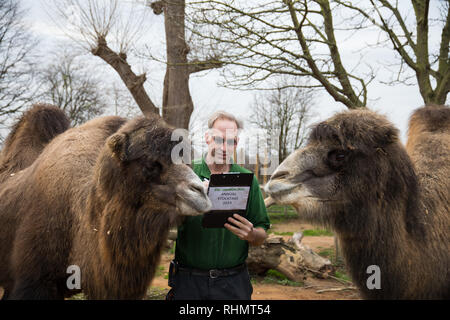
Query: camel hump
x,y
30,134
432,118
41,121
429,127
46,121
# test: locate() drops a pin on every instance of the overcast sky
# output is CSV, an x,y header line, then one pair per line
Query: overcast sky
x,y
396,102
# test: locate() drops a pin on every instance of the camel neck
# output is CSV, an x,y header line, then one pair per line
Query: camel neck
x,y
383,241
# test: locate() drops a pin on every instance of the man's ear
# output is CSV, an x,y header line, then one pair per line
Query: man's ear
x,y
118,144
207,137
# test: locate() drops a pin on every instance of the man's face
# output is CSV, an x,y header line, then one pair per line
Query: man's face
x,y
222,140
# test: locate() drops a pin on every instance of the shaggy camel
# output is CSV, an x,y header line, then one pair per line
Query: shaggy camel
x,y
29,136
388,208
101,197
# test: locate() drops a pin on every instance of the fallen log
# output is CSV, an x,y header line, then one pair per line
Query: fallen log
x,y
292,258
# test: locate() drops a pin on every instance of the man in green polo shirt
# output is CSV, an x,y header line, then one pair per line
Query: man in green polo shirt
x,y
210,263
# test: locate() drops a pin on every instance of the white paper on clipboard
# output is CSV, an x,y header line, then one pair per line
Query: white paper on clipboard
x,y
229,198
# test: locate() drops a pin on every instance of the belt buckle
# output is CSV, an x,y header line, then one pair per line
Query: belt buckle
x,y
213,273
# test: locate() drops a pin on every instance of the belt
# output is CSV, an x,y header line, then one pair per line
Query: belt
x,y
213,273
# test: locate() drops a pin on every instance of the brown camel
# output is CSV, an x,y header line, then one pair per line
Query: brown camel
x,y
29,136
100,197
389,209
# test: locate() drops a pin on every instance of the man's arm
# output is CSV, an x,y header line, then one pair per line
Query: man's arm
x,y
245,231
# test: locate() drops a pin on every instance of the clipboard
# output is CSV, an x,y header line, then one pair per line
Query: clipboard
x,y
229,193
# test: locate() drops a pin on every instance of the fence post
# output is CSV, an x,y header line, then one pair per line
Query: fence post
x,y
337,251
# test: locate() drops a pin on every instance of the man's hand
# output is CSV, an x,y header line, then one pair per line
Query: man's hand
x,y
245,231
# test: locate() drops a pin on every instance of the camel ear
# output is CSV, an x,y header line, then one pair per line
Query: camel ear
x,y
118,144
388,134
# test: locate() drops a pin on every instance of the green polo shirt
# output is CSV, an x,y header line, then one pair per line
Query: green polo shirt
x,y
216,248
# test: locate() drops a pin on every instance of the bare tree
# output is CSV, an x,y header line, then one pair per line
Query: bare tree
x,y
283,113
97,24
68,83
122,102
410,38
262,39
16,68
101,25
177,101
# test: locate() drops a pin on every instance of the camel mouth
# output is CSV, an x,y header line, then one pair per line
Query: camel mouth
x,y
289,194
193,201
277,189
281,195
189,207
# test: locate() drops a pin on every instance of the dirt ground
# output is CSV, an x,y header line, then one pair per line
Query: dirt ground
x,y
274,291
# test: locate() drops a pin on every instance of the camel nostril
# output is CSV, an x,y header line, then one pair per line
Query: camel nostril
x,y
197,188
280,175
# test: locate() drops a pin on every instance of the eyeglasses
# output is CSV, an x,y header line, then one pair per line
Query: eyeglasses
x,y
220,140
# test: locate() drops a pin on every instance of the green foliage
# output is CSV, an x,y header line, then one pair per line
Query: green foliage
x,y
327,253
342,275
160,271
172,250
316,233
79,296
278,214
275,274
275,277
288,233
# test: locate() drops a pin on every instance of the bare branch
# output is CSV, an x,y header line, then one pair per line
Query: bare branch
x,y
283,113
411,42
96,24
16,63
275,38
133,82
198,66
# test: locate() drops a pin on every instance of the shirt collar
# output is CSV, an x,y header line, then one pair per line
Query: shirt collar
x,y
204,170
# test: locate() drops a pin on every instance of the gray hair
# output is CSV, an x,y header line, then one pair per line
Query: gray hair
x,y
224,115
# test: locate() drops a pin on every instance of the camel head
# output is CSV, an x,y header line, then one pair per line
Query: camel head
x,y
351,159
141,165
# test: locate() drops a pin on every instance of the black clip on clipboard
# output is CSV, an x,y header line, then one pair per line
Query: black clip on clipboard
x,y
216,218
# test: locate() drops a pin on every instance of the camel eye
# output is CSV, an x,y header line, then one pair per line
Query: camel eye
x,y
337,157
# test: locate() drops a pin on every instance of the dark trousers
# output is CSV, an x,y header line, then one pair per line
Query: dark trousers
x,y
188,286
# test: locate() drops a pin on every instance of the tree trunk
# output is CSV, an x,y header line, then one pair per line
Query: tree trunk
x,y
177,101
422,62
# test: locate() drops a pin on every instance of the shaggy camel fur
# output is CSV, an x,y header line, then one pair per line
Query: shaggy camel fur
x,y
102,197
389,207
